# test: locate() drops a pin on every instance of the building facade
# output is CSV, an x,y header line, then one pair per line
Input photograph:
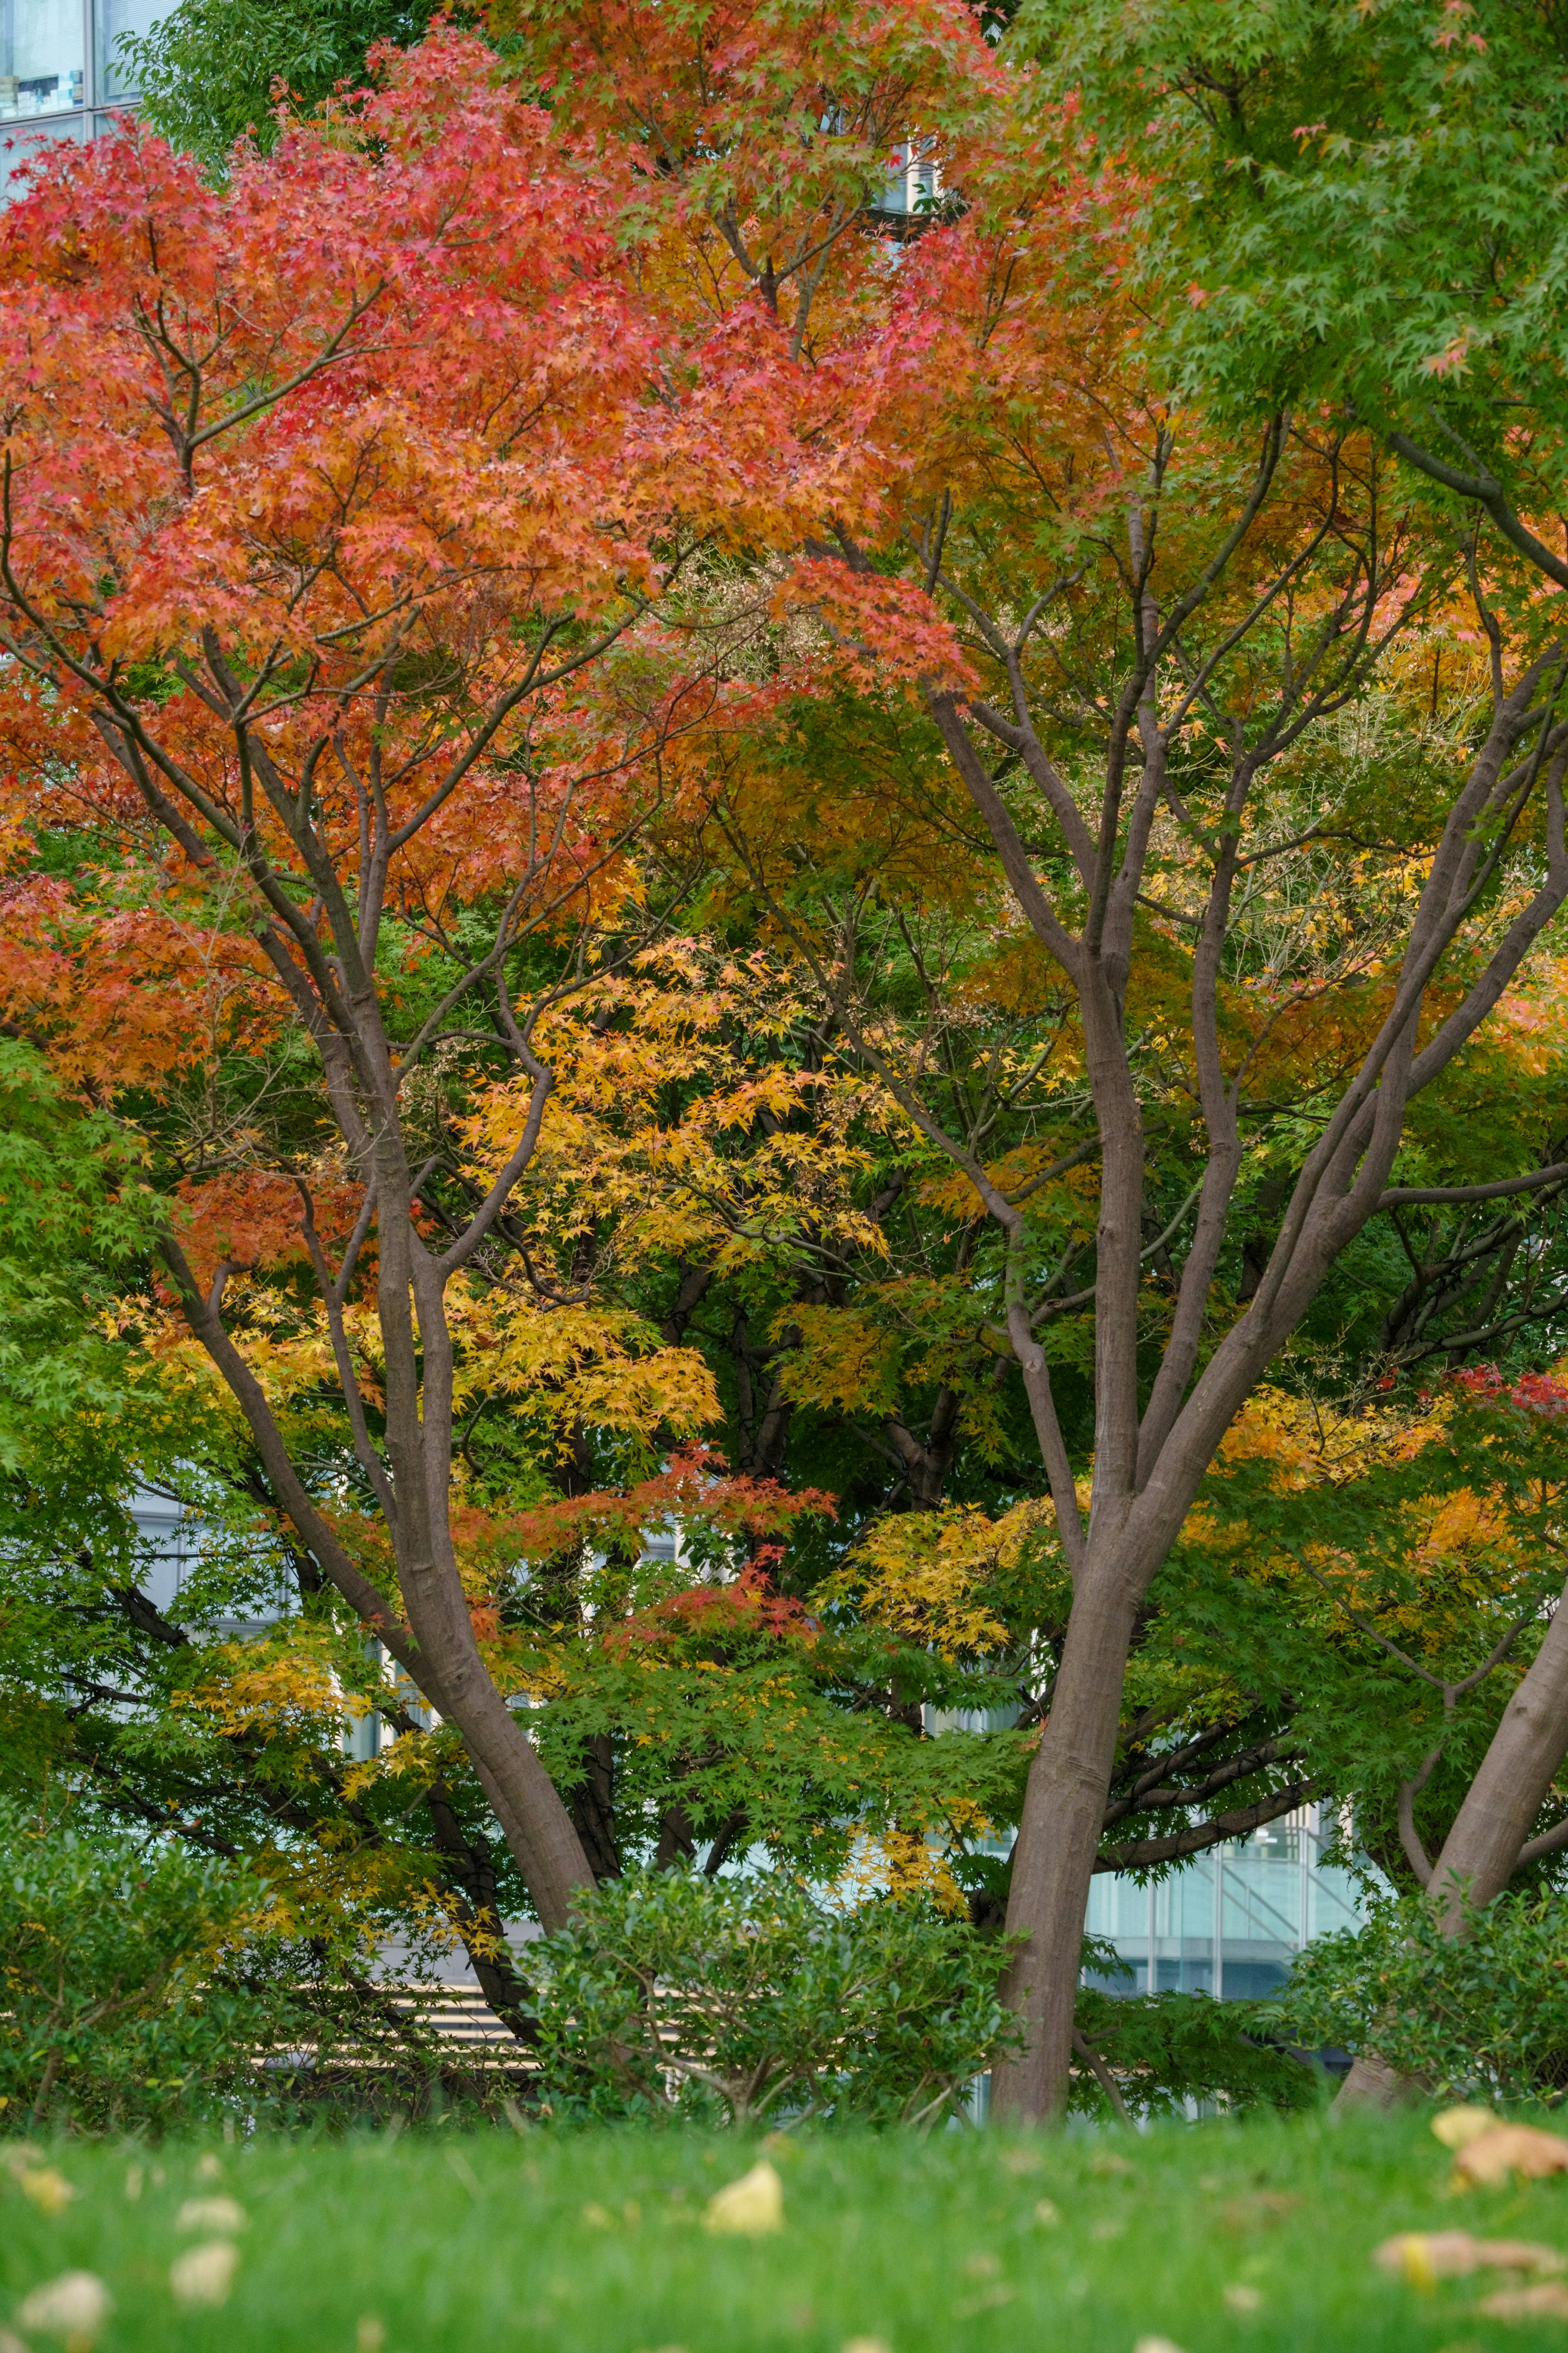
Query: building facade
x,y
1228,1923
60,73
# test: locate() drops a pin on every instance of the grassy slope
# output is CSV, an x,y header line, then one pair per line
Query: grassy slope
x,y
458,2242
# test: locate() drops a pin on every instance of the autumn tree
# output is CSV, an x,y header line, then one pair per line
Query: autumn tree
x,y
313,604
1358,208
1164,621
345,512
483,540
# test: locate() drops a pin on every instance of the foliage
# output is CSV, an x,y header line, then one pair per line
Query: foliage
x,y
206,73
1167,2050
1354,203
150,1984
674,1994
1482,2014
110,1947
494,825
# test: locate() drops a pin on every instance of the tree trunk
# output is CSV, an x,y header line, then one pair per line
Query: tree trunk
x,y
1374,2083
1487,1840
535,1821
1059,1837
1482,1850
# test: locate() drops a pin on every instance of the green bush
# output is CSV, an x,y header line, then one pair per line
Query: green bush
x,y
1483,2013
108,1945
734,2000
1166,2050
143,1985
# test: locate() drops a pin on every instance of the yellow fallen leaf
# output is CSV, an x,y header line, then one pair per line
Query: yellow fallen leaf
x,y
221,2214
208,2167
1424,2256
1455,2126
753,2206
206,2274
1045,2213
1508,2150
74,2306
1548,2301
370,2334
48,2188
1155,2345
1242,2299
866,2345
1021,2160
599,2217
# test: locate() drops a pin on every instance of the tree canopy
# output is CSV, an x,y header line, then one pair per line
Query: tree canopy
x,y
782,997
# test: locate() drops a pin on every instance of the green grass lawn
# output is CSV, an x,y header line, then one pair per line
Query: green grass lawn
x,y
448,2240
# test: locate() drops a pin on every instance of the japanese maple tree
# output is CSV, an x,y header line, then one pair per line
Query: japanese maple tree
x,y
340,510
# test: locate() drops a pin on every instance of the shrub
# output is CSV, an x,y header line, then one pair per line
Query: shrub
x,y
143,1985
1486,2012
1166,2050
106,1944
731,2000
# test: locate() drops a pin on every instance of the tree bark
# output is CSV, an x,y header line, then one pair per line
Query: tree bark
x,y
1058,1837
1482,1850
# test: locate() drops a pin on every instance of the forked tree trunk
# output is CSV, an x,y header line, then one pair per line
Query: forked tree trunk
x,y
1150,1458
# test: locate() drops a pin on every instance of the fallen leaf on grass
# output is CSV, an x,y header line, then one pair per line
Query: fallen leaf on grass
x,y
1020,2160
1109,2163
225,2214
1242,2299
209,2167
1547,2301
1047,2213
866,2345
1506,2149
370,2334
599,2217
1455,2126
48,2188
752,2206
1424,2256
9,2343
1155,2345
982,2267
74,2306
206,2274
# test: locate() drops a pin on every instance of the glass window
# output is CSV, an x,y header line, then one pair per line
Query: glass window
x,y
41,58
113,17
